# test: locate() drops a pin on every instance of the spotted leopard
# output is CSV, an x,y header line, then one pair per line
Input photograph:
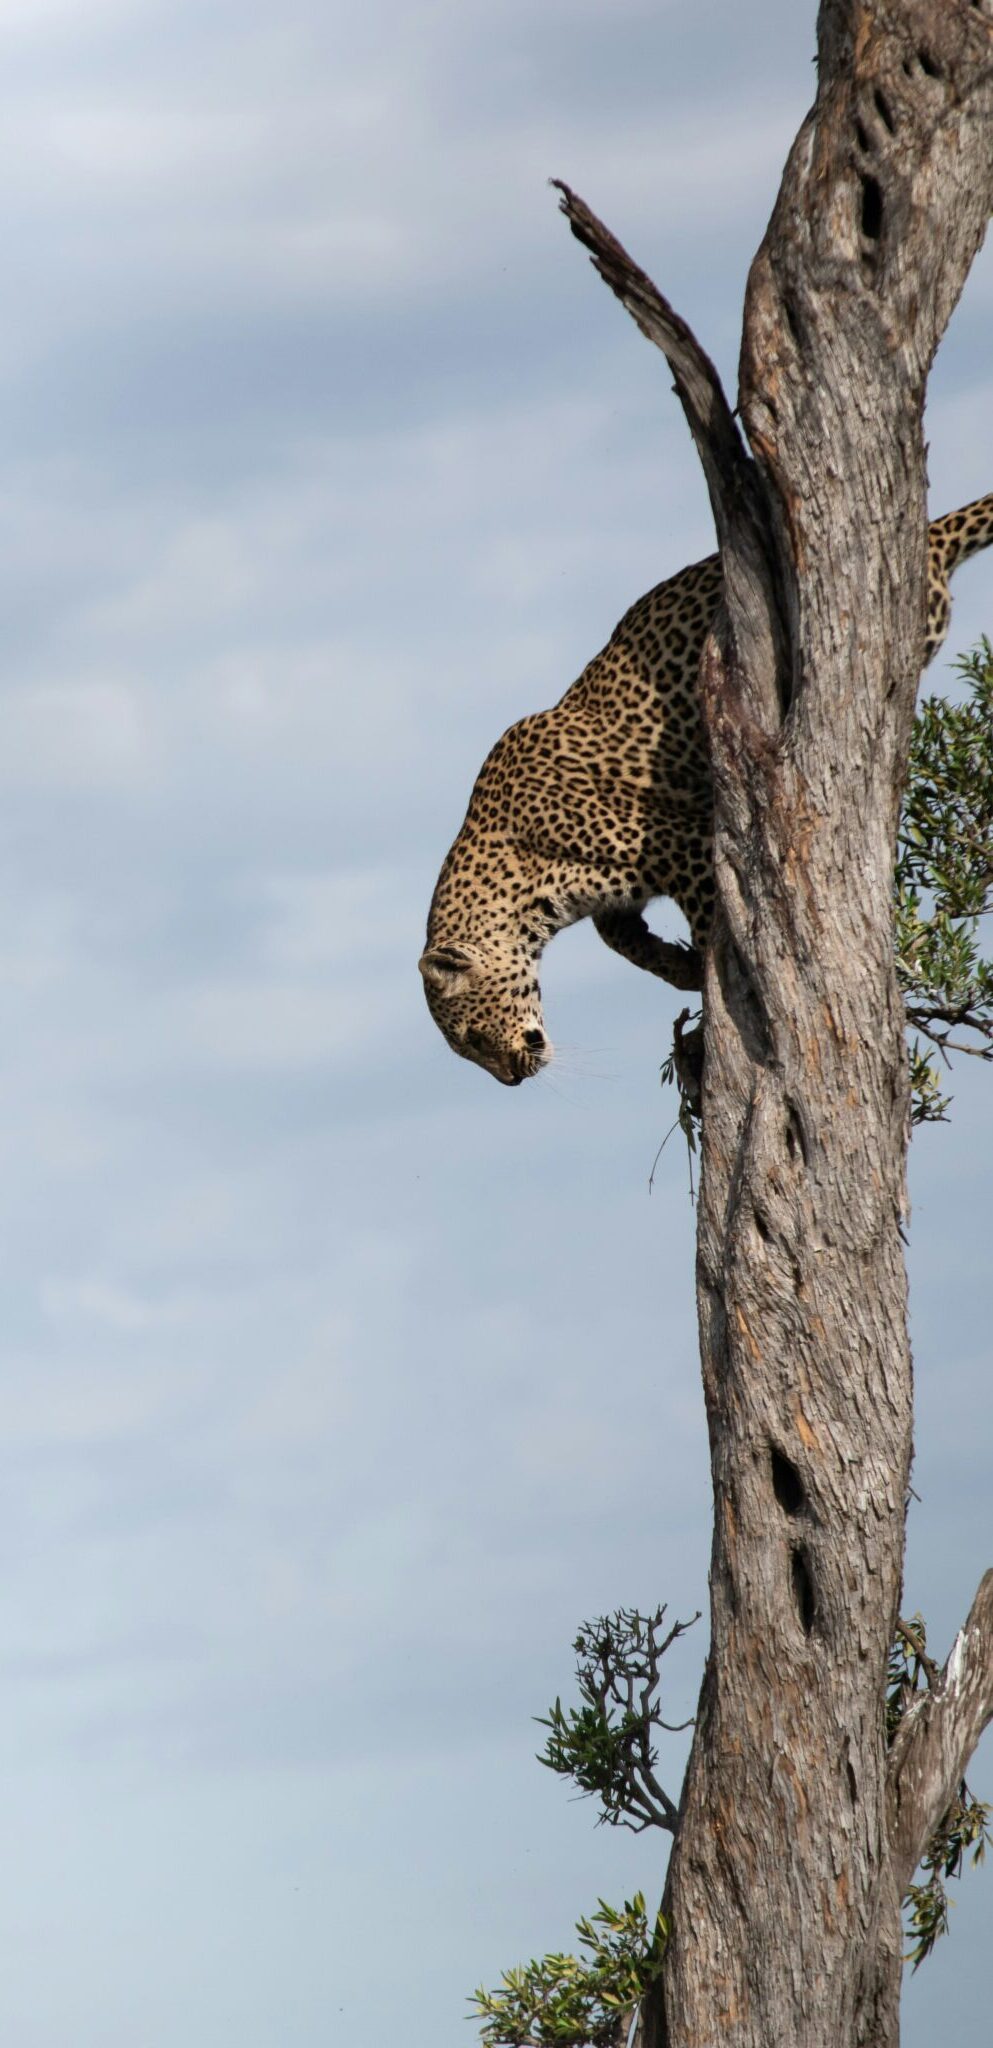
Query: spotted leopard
x,y
593,808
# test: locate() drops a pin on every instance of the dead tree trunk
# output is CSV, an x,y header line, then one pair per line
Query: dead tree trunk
x,y
798,1832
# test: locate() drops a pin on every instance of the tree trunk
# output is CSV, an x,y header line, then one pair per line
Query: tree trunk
x,y
783,1890
796,1826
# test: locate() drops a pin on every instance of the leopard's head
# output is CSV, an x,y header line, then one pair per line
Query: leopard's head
x,y
487,1004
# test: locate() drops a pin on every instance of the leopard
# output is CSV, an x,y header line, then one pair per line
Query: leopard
x,y
598,806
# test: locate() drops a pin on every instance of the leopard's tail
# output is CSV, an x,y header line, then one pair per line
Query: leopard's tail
x,y
961,534
950,541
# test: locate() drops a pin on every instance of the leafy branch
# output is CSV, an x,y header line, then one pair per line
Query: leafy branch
x,y
585,2001
605,1745
943,883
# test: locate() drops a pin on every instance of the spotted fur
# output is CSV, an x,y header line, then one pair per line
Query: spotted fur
x,y
593,808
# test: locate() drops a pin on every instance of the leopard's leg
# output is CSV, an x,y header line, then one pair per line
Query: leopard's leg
x,y
626,932
692,885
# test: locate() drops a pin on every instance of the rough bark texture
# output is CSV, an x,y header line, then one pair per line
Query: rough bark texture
x,y
797,1832
783,1891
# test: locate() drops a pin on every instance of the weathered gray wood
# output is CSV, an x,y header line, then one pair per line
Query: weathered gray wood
x,y
938,1735
737,497
784,1883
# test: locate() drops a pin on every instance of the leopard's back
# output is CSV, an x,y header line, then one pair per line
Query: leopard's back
x,y
636,702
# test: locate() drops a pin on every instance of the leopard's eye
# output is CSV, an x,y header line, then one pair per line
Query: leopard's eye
x,y
475,1039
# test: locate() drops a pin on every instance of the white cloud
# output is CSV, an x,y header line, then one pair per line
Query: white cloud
x,y
33,20
319,922
204,574
84,735
94,1408
259,1025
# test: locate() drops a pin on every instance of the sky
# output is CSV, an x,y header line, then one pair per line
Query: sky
x,y
337,1383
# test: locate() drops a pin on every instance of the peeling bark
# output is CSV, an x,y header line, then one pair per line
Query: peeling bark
x,y
796,1838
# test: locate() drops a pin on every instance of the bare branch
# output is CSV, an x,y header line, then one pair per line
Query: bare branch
x,y
719,444
915,1642
937,1737
737,493
923,1021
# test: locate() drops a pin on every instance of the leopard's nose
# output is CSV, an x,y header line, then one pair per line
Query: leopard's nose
x,y
536,1040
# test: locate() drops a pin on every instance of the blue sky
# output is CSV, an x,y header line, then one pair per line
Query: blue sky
x,y
337,1383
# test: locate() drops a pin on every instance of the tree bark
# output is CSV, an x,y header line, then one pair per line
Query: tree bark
x,y
797,1834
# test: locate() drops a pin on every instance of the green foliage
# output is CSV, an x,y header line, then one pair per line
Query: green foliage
x,y
966,1825
584,2001
943,884
605,1745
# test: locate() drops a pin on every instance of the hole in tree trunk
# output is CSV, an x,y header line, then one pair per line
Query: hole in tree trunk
x,y
795,1142
883,110
803,1589
787,1484
872,209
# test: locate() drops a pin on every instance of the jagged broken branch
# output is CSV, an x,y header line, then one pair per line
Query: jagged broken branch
x,y
605,1745
937,1736
737,494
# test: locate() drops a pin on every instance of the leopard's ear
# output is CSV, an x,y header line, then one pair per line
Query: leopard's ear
x,y
447,965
